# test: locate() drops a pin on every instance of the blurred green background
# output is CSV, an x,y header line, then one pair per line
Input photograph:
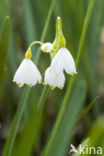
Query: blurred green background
x,y
27,20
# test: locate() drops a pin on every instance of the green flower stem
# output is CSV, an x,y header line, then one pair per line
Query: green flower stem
x,y
42,100
66,98
28,54
36,42
45,29
25,95
87,109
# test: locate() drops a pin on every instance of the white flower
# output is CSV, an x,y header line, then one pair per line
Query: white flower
x,y
47,47
27,73
54,75
63,60
54,79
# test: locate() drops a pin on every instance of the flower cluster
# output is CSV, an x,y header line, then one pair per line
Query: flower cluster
x,y
61,60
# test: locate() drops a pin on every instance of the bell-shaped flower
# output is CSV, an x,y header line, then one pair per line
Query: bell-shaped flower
x,y
47,47
54,79
27,73
63,60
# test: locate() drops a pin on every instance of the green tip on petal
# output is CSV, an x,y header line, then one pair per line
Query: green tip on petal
x,y
40,81
45,47
30,85
61,87
52,87
19,84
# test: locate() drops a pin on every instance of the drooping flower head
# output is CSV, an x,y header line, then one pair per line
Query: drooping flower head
x,y
27,73
62,60
54,79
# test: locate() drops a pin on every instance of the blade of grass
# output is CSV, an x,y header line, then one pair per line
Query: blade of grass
x,y
96,134
65,131
7,6
25,95
83,144
29,22
87,109
93,140
4,41
66,98
30,131
31,35
3,12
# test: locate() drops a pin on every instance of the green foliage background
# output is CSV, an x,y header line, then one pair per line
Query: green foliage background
x,y
26,24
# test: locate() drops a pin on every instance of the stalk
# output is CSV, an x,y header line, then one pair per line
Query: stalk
x,y
66,98
25,95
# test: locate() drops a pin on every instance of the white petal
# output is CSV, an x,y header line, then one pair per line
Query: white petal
x,y
69,64
63,60
57,63
47,47
27,73
54,79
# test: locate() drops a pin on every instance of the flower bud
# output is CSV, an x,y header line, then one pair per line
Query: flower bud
x,y
59,41
47,47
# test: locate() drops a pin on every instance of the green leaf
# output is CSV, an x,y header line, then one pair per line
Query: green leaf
x,y
70,85
83,144
60,144
95,139
30,27
4,41
25,95
96,134
30,132
87,109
